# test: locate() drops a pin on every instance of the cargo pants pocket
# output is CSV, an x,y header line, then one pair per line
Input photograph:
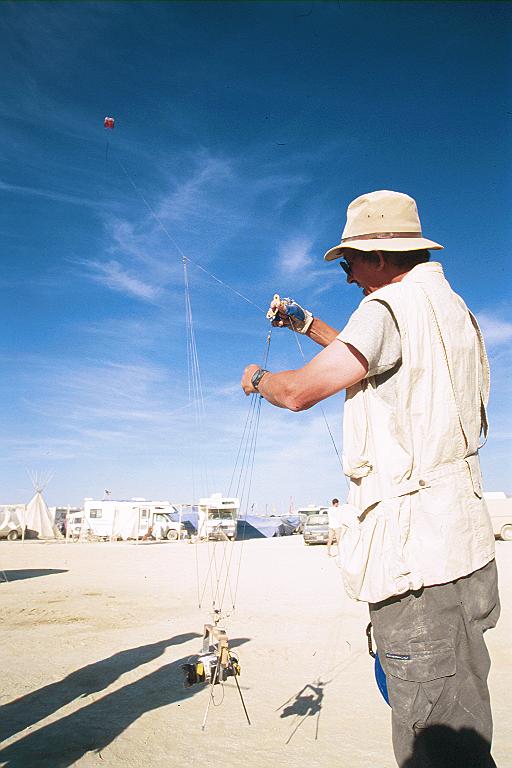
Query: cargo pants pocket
x,y
416,677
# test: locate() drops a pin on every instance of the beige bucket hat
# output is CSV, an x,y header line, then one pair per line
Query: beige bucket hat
x,y
382,221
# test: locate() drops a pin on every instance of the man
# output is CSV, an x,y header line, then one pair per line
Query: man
x,y
333,514
420,549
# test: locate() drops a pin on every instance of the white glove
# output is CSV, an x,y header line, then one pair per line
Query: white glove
x,y
287,313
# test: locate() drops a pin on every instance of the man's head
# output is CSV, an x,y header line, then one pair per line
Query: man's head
x,y
371,270
382,240
335,502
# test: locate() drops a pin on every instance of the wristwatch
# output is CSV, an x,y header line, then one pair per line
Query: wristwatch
x,y
257,377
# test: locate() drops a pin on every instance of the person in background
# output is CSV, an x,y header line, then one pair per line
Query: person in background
x,y
335,524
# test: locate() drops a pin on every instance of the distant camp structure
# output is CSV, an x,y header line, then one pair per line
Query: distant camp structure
x,y
39,523
34,520
135,518
38,520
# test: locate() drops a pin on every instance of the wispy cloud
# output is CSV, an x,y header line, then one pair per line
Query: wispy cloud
x,y
114,276
295,255
108,402
495,330
210,207
299,263
192,198
49,194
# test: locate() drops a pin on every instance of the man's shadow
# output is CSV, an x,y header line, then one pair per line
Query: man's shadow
x,y
94,726
306,703
28,573
35,706
440,746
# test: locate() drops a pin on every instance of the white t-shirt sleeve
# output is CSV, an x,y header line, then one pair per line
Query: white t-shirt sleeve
x,y
373,331
334,517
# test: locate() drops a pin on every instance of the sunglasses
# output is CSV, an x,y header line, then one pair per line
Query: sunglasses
x,y
346,267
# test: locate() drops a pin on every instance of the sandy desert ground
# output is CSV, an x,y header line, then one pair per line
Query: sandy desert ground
x,y
94,636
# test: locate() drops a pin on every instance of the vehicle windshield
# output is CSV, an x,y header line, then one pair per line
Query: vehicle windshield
x,y
221,514
162,517
317,520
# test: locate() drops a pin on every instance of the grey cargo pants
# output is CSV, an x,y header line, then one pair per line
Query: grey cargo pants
x,y
431,647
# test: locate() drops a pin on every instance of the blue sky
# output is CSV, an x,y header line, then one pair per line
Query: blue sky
x,y
247,128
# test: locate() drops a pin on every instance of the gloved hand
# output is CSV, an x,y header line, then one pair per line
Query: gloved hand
x,y
287,313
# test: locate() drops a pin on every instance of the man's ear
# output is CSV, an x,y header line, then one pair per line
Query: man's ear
x,y
382,261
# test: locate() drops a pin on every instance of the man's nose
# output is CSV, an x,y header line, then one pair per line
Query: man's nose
x,y
350,278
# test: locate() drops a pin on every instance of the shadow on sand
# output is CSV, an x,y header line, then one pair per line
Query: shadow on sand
x,y
306,703
440,746
29,573
97,724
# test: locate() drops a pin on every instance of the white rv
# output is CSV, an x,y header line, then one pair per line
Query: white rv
x,y
132,519
218,517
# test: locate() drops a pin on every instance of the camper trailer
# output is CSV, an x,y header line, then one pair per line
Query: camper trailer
x,y
131,519
218,517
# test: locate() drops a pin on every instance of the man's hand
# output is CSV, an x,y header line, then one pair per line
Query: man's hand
x,y
246,379
286,313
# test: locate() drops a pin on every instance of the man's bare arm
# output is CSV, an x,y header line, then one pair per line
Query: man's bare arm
x,y
320,332
336,367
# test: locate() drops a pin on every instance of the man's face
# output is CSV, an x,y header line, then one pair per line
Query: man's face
x,y
366,274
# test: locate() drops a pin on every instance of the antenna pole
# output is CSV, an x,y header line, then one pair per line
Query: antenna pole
x,y
242,699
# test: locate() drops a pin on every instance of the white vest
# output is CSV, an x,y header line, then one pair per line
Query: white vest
x,y
414,471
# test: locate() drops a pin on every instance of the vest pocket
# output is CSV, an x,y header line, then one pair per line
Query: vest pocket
x,y
356,467
370,555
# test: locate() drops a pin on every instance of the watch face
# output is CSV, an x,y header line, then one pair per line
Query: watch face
x,y
257,376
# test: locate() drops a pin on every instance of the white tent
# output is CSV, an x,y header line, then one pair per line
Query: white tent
x,y
126,524
38,519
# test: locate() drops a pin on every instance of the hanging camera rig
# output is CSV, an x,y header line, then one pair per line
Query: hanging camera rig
x,y
214,664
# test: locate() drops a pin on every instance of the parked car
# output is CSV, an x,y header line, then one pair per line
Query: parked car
x,y
316,529
500,510
10,532
302,522
164,527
